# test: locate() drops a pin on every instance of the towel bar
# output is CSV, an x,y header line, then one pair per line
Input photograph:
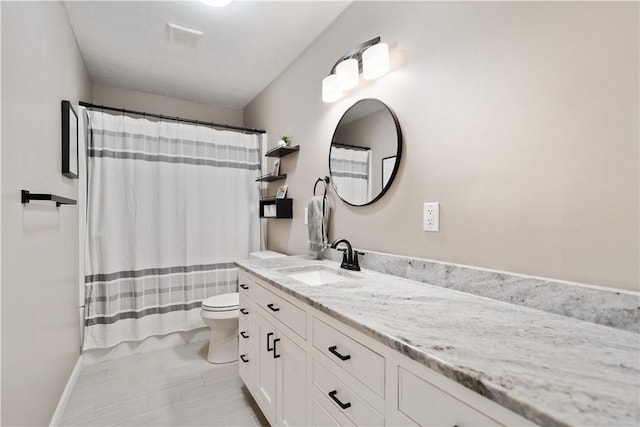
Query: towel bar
x,y
27,197
325,181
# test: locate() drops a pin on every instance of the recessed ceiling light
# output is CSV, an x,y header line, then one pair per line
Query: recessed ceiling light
x,y
216,3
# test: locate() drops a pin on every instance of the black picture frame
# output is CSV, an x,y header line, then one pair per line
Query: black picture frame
x,y
388,168
70,163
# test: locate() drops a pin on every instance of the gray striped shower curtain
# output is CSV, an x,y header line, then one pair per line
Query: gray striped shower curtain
x,y
351,174
170,206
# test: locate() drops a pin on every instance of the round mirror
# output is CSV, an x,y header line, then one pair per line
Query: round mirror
x,y
365,152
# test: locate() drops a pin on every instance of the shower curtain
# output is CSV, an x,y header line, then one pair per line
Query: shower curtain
x,y
351,174
170,206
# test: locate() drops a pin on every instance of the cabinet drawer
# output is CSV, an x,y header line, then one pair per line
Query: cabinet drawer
x,y
361,362
245,285
246,311
290,315
343,398
246,358
245,331
320,417
427,405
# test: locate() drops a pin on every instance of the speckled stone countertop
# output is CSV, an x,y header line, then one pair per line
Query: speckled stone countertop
x,y
551,369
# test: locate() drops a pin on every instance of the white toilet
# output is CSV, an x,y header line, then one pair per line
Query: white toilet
x,y
220,313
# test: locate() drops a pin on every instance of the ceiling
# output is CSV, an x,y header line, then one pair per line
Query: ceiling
x,y
244,45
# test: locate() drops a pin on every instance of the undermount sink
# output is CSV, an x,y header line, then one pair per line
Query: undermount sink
x,y
316,275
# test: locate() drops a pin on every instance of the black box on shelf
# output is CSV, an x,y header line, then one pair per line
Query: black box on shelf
x,y
276,208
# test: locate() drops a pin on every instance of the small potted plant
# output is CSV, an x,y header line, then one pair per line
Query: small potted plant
x,y
284,141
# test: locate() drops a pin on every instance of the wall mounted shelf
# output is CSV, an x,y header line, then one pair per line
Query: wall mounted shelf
x,y
269,178
272,207
59,200
282,151
276,208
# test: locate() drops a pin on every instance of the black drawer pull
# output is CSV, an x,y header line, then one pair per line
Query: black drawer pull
x,y
338,355
244,311
272,307
332,395
275,356
243,286
244,335
269,348
244,358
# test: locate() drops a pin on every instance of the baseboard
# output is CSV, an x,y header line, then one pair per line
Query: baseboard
x,y
66,394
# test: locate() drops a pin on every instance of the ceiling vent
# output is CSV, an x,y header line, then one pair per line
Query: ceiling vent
x,y
184,36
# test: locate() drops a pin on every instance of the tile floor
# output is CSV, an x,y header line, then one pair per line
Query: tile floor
x,y
171,387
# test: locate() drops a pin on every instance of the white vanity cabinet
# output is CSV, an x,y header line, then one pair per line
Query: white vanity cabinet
x,y
277,377
311,369
281,374
349,376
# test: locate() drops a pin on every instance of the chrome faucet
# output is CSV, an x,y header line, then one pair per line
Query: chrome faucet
x,y
349,256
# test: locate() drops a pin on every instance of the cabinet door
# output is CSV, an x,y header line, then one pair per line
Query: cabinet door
x,y
266,374
292,380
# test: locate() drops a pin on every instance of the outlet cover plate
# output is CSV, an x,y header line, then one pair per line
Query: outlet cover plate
x,y
431,217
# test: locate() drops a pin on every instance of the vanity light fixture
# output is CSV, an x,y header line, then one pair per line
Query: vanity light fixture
x,y
371,58
348,73
375,61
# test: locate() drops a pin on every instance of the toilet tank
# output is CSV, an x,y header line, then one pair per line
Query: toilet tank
x,y
265,254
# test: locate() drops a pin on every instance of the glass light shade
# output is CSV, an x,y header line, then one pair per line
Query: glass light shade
x,y
375,61
331,88
348,74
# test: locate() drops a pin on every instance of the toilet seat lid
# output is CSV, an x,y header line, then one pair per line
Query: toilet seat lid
x,y
222,302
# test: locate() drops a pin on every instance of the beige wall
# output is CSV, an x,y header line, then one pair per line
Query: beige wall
x,y
521,119
147,102
41,65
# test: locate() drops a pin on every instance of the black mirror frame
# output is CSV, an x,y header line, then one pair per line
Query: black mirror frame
x,y
399,152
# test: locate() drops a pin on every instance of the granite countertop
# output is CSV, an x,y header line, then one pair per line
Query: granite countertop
x,y
551,369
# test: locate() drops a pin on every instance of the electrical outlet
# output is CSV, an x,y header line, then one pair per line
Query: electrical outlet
x,y
431,217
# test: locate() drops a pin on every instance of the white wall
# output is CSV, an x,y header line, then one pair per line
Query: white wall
x,y
147,102
520,118
41,65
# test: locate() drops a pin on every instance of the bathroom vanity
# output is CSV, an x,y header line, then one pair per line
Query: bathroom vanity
x,y
324,346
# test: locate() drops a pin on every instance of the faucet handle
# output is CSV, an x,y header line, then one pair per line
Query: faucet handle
x,y
356,265
345,261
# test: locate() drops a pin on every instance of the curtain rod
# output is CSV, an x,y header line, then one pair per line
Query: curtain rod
x,y
178,119
354,147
